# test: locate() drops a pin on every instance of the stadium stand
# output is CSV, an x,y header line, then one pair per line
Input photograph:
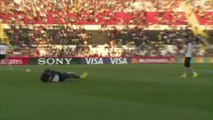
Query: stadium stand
x,y
100,28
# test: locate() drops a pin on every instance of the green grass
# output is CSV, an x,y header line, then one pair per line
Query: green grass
x,y
111,92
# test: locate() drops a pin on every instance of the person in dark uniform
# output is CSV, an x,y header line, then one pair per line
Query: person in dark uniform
x,y
49,75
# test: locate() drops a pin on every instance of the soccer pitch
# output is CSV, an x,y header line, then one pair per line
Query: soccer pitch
x,y
110,92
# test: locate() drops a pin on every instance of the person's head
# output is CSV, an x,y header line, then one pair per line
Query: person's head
x,y
45,75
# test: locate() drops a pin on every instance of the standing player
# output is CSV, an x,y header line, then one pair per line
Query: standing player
x,y
49,75
3,51
188,55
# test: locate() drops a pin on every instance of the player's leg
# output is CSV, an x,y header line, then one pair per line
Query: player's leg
x,y
1,58
84,75
77,76
4,59
8,63
195,74
67,75
73,75
184,75
191,69
186,66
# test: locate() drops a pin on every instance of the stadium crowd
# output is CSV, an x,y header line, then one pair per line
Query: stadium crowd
x,y
83,12
91,12
203,10
41,41
39,25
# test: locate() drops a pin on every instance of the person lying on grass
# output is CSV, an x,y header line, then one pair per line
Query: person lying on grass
x,y
49,75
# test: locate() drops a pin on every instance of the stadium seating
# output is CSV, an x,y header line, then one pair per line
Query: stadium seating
x,y
33,24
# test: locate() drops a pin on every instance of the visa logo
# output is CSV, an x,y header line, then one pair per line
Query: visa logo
x,y
119,60
94,61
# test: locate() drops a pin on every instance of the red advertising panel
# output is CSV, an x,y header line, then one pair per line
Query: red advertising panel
x,y
153,60
15,61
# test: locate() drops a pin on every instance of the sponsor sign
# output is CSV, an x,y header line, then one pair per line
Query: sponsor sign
x,y
210,60
196,60
199,60
154,60
54,61
15,61
100,60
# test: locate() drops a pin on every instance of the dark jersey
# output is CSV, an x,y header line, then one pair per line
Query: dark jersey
x,y
49,75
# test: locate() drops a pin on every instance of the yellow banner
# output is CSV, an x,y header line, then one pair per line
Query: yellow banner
x,y
210,59
199,60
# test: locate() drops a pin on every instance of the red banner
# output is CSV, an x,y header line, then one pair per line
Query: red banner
x,y
152,60
15,61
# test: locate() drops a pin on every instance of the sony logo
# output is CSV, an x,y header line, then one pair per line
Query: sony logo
x,y
54,61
